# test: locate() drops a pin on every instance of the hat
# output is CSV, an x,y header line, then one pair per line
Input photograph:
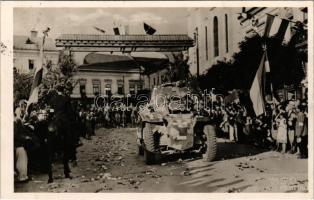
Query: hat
x,y
60,87
21,102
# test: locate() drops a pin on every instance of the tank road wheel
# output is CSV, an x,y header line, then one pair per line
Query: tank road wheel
x,y
151,144
210,143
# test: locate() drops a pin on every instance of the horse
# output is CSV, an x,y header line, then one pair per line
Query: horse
x,y
58,141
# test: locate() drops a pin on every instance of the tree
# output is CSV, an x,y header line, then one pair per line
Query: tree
x,y
219,76
66,64
22,84
285,65
60,75
180,70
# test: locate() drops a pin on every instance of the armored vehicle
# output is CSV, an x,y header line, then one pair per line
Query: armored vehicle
x,y
172,123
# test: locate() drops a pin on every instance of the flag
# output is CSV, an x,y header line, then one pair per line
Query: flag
x,y
268,86
267,67
116,31
256,90
282,30
276,26
269,23
148,29
38,73
100,30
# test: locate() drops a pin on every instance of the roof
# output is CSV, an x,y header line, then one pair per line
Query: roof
x,y
174,37
21,42
108,62
125,43
121,62
120,66
93,58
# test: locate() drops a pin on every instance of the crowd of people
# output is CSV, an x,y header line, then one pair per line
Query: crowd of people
x,y
43,132
283,127
114,116
54,129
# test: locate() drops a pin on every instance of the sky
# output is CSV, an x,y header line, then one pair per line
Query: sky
x,y
82,20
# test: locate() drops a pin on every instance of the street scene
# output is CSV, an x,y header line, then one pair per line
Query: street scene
x,y
110,163
153,100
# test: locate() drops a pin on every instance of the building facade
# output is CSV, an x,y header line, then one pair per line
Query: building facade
x,y
218,31
106,75
133,61
215,31
255,21
26,52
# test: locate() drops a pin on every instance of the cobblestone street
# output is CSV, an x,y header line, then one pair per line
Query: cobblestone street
x,y
110,163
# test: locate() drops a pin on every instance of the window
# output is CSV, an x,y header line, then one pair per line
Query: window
x,y
82,87
108,83
206,43
96,87
132,88
30,64
226,29
154,81
120,86
120,89
108,89
140,84
216,42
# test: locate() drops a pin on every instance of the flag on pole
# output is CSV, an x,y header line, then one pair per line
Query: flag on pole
x,y
269,23
276,26
100,30
267,67
38,72
116,31
148,29
256,90
282,30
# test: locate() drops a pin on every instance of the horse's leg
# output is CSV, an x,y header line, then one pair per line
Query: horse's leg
x,y
50,158
66,167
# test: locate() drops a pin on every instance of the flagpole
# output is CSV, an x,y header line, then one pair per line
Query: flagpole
x,y
39,67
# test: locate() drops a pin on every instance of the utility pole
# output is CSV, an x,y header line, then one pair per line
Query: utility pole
x,y
197,53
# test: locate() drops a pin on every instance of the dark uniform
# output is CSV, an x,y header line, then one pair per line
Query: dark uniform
x,y
63,118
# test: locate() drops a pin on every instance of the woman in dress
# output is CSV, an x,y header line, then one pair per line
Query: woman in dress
x,y
21,158
282,132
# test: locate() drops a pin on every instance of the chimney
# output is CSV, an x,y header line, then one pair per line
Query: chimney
x,y
33,35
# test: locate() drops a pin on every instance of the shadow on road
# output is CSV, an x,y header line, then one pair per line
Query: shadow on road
x,y
227,150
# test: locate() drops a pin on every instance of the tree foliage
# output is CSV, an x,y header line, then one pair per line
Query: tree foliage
x,y
180,70
22,84
62,74
66,64
284,60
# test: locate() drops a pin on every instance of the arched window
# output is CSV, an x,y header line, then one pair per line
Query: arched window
x,y
226,29
216,39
